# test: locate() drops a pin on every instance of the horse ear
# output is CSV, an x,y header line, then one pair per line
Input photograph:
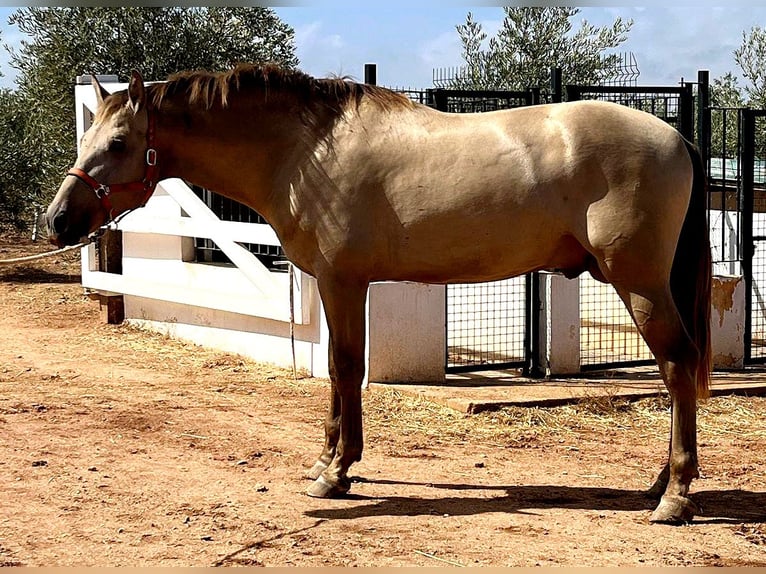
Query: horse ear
x,y
101,93
136,91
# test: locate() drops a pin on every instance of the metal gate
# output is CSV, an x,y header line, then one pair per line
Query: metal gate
x,y
753,192
733,141
608,336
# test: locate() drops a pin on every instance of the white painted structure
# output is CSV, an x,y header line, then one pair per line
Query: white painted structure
x,y
245,308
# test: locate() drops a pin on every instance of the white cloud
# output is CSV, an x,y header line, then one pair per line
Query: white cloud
x,y
311,37
321,53
440,51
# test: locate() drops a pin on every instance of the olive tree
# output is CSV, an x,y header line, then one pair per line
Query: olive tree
x,y
530,41
62,43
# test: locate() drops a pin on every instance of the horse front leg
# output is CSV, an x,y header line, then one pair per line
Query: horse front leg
x,y
344,306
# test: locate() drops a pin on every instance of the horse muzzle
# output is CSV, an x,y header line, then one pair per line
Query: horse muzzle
x,y
62,231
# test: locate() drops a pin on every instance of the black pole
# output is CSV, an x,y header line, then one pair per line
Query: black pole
x,y
703,116
747,248
371,74
557,93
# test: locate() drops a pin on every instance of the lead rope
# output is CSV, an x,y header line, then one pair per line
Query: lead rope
x,y
16,260
90,239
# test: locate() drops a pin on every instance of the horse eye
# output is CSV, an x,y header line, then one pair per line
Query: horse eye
x,y
117,146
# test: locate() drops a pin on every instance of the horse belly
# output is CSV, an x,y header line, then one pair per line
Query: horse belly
x,y
467,252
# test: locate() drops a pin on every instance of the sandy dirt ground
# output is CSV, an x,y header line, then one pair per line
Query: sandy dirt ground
x,y
125,448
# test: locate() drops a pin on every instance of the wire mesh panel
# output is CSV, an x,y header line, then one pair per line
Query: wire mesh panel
x,y
608,335
724,198
756,179
471,101
485,324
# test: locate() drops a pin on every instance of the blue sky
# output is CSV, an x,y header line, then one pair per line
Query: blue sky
x,y
407,40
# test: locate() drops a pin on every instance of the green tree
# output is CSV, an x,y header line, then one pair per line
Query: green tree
x,y
17,158
751,58
725,97
530,41
725,92
65,42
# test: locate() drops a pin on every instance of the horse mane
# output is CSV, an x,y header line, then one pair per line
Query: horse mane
x,y
208,89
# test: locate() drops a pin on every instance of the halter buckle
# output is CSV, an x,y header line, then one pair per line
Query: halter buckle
x,y
151,156
102,191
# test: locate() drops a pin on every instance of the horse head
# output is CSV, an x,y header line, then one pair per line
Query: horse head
x,y
115,170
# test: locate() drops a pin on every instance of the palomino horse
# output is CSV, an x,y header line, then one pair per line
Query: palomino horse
x,y
362,185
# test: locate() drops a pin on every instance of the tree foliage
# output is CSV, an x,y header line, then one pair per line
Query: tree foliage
x,y
725,92
751,58
532,40
63,43
725,96
17,160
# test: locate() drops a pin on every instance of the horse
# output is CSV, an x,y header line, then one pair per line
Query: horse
x,y
362,185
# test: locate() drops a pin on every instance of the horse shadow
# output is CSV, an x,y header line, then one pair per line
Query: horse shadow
x,y
717,506
33,275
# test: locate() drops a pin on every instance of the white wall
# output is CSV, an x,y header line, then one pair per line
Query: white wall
x,y
406,328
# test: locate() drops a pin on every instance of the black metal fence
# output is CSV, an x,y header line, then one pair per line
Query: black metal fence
x,y
753,192
721,141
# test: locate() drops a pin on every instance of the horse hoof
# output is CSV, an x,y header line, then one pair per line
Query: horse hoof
x,y
674,509
323,488
315,471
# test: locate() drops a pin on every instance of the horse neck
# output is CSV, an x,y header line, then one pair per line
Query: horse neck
x,y
238,151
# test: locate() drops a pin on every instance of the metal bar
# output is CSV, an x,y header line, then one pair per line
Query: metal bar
x,y
627,89
371,74
747,248
573,92
686,112
485,367
616,364
703,115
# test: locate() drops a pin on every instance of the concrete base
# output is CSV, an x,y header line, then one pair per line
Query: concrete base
x,y
492,390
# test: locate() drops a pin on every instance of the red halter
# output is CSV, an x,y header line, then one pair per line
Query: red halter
x,y
146,185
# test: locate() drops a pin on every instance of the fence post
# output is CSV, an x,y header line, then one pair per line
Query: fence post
x,y
703,116
556,86
559,335
534,306
440,99
109,249
371,74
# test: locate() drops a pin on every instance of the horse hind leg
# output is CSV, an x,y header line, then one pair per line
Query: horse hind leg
x,y
659,322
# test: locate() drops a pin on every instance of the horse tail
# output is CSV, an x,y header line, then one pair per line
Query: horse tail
x,y
691,275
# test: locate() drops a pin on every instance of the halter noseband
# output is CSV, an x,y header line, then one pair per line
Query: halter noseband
x,y
145,186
